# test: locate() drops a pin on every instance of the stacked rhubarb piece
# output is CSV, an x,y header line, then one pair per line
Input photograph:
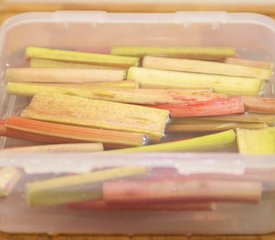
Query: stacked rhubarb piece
x,y
129,101
136,96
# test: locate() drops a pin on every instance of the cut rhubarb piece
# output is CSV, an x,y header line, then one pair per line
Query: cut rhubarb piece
x,y
9,176
81,57
198,144
242,118
55,148
256,141
154,78
59,75
183,190
136,96
250,63
34,137
208,67
2,128
72,133
45,63
119,84
259,104
223,106
101,205
77,188
193,53
209,126
99,114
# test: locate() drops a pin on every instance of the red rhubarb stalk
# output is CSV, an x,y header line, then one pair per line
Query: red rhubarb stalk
x,y
189,191
224,106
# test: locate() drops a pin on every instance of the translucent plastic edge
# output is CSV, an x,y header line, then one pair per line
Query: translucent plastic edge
x,y
185,163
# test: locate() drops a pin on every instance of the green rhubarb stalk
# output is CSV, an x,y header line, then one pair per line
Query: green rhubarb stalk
x,y
81,57
194,53
154,78
75,188
256,141
208,126
204,143
45,63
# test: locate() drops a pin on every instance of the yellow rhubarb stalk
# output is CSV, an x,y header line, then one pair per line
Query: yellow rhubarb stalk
x,y
97,113
155,78
256,141
60,75
81,57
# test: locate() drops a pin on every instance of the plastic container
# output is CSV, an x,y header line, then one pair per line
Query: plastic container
x,y
253,35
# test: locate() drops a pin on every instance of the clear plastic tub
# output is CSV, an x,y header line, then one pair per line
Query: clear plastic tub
x,y
230,194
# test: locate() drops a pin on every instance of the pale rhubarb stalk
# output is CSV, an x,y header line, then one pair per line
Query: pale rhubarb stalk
x,y
183,190
99,114
56,148
197,144
136,96
223,106
119,84
155,78
73,133
81,57
207,67
70,189
259,104
59,75
209,126
193,53
45,63
250,63
242,118
9,176
256,141
101,205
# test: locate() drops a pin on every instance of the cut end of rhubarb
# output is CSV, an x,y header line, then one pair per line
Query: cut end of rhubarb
x,y
256,141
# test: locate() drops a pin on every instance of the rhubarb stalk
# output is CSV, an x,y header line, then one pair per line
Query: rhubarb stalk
x,y
204,143
135,96
9,176
256,141
208,67
70,189
154,78
183,190
223,106
81,57
193,53
67,133
96,113
58,75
